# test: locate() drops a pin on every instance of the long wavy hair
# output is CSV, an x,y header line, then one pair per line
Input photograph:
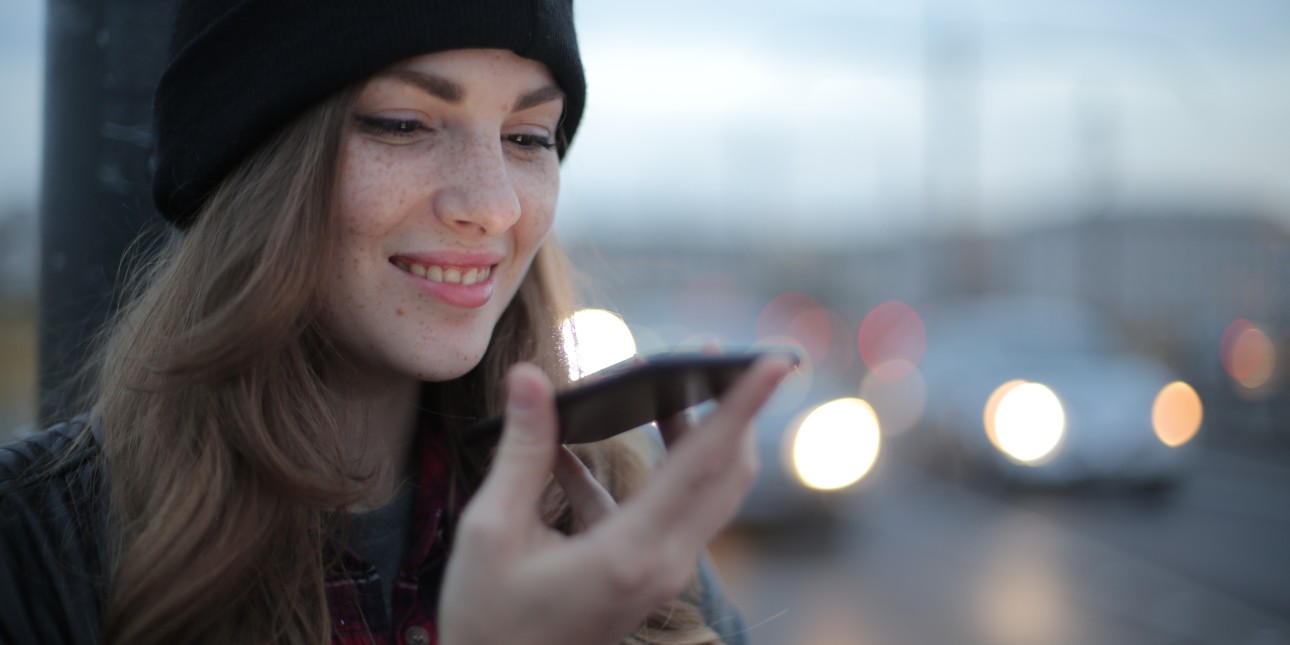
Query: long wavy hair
x,y
228,472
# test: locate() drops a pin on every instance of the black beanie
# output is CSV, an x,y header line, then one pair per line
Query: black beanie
x,y
241,69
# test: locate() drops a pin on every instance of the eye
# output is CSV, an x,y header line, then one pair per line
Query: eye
x,y
531,141
388,127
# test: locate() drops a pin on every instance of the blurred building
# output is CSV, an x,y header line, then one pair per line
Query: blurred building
x,y
1171,282
18,251
1182,277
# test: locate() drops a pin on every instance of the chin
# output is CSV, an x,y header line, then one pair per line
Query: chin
x,y
446,366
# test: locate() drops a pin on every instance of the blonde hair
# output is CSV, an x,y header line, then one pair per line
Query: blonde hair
x,y
227,469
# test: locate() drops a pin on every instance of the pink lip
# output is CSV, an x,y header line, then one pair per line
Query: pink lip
x,y
457,295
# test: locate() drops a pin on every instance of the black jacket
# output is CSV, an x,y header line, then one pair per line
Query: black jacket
x,y
51,514
52,517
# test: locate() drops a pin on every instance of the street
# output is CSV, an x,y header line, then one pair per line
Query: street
x,y
918,559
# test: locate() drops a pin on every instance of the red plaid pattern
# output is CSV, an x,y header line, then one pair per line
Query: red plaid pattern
x,y
357,608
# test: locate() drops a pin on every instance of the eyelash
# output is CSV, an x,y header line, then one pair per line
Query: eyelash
x,y
406,128
401,128
531,141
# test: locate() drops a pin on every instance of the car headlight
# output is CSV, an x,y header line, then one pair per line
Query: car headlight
x,y
1025,421
1176,414
835,444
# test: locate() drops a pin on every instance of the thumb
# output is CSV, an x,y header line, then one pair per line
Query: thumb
x,y
526,452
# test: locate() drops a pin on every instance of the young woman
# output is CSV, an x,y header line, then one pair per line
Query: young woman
x,y
365,193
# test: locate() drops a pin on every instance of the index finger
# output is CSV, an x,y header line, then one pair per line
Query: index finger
x,y
671,428
527,449
702,480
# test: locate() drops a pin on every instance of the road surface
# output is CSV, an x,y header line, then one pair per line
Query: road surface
x,y
919,559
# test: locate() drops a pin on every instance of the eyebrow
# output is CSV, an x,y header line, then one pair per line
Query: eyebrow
x,y
538,97
436,86
452,92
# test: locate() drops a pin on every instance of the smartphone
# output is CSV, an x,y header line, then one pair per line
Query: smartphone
x,y
630,394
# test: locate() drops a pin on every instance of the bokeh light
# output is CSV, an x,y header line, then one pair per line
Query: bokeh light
x,y
781,310
892,337
595,339
992,408
813,328
1176,414
1249,356
899,403
648,340
836,444
800,317
1029,423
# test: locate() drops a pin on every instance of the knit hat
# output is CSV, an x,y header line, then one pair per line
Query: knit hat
x,y
241,69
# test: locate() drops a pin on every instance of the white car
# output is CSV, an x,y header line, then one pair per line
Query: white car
x,y
1042,392
815,451
815,440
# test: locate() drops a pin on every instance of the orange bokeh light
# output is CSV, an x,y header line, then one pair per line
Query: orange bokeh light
x,y
1248,355
1176,414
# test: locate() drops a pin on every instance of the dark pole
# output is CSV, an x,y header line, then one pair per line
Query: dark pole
x,y
103,59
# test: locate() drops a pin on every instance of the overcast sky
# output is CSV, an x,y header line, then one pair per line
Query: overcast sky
x,y
824,116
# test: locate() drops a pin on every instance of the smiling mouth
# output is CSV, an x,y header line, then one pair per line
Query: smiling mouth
x,y
464,276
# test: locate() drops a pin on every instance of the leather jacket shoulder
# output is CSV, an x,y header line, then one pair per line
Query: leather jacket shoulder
x,y
52,578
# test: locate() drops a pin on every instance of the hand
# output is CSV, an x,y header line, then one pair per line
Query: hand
x,y
513,580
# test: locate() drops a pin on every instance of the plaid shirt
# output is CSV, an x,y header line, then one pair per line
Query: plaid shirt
x,y
358,612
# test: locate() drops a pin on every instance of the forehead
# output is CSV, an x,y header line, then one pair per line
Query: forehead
x,y
471,71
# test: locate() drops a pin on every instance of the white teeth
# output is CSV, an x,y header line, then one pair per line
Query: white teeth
x,y
451,275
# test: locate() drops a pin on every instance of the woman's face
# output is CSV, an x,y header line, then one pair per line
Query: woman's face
x,y
447,188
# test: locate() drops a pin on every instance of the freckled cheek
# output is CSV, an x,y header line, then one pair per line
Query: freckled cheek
x,y
538,202
531,232
372,191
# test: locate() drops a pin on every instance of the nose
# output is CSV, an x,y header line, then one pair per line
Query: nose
x,y
477,197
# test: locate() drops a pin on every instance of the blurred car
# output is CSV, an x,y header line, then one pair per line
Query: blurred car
x,y
1042,392
815,447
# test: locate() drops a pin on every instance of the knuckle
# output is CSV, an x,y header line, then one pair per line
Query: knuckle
x,y
653,578
708,479
631,577
525,440
667,583
481,524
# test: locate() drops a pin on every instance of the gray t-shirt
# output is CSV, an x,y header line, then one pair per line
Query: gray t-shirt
x,y
383,536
